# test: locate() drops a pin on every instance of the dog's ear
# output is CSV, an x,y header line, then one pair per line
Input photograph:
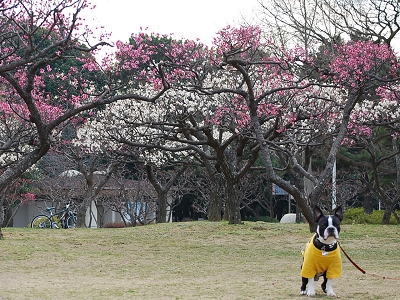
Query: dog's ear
x,y
338,212
317,213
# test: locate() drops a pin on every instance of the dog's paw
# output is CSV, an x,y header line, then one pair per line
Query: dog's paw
x,y
329,289
330,294
311,293
303,292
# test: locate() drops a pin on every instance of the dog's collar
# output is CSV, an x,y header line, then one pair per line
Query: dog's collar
x,y
324,247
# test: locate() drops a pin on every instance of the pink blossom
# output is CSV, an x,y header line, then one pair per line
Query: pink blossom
x,y
357,62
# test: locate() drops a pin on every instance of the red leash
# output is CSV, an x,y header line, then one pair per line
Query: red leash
x,y
361,270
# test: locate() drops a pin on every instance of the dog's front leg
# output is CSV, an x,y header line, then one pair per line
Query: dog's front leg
x,y
311,287
303,289
329,289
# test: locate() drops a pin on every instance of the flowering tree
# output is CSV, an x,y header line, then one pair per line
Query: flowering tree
x,y
327,24
374,125
36,36
247,88
293,104
186,127
254,89
324,24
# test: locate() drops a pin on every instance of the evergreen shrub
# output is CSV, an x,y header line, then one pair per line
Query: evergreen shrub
x,y
357,216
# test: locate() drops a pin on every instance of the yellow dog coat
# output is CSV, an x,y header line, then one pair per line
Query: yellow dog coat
x,y
319,261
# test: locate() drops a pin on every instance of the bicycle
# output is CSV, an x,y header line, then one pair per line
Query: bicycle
x,y
62,219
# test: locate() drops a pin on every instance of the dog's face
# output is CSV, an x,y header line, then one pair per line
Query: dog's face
x,y
328,227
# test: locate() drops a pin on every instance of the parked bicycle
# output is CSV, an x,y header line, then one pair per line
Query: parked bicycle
x,y
62,219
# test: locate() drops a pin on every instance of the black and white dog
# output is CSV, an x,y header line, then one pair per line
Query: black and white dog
x,y
322,254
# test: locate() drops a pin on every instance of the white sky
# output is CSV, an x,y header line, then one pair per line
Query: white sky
x,y
182,18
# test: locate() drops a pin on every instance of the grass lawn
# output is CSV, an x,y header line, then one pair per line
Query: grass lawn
x,y
194,260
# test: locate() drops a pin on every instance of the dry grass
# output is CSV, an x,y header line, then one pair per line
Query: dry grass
x,y
197,260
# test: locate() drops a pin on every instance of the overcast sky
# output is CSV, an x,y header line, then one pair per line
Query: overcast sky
x,y
183,18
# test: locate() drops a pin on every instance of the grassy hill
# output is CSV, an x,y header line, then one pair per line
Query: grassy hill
x,y
194,260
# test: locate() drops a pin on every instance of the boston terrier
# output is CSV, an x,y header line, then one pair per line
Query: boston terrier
x,y
322,254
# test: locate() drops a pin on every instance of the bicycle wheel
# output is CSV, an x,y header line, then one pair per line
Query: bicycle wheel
x,y
41,221
71,222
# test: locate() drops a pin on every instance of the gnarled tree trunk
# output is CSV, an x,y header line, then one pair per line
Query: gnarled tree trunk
x,y
232,203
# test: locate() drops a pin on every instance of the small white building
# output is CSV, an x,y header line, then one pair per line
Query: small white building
x,y
109,206
29,210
